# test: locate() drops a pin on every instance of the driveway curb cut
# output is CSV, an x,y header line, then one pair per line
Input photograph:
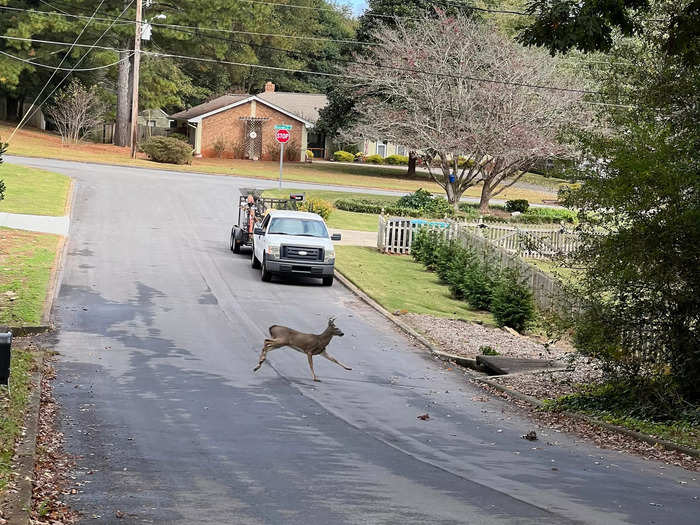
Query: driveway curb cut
x,y
510,392
19,504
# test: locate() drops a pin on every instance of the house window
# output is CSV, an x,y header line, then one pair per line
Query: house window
x,y
381,148
401,150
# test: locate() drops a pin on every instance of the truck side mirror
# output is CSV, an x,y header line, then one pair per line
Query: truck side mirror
x,y
259,231
335,237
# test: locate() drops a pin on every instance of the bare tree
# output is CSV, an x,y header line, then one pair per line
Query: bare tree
x,y
456,91
76,110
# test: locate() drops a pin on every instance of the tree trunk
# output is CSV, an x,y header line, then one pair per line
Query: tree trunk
x,y
486,192
121,132
412,159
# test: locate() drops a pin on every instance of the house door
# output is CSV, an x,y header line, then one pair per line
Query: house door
x,y
381,149
253,139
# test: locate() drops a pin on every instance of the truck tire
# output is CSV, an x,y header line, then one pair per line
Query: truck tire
x,y
254,261
265,275
328,280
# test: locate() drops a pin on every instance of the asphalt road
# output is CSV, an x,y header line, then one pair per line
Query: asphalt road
x,y
160,326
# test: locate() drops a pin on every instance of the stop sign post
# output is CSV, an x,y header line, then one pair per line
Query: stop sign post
x,y
282,135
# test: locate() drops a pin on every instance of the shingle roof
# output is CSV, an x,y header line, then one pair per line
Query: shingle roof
x,y
304,105
212,105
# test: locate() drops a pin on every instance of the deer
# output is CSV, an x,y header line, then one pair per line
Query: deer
x,y
309,344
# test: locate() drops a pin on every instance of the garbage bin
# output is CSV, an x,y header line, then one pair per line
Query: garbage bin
x,y
5,344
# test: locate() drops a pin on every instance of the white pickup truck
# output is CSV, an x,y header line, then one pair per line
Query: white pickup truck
x,y
294,243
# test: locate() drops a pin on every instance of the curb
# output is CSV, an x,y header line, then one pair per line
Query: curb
x,y
19,503
400,324
57,270
24,331
512,393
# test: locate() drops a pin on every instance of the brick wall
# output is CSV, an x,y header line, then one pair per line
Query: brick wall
x,y
229,126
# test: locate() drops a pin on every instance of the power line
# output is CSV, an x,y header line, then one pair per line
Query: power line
x,y
31,108
212,29
335,75
56,68
90,48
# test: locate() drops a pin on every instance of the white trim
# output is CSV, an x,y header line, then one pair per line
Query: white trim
x,y
245,101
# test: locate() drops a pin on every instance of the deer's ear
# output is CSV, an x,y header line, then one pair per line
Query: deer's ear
x,y
331,321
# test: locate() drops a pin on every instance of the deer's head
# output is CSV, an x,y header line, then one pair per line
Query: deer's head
x,y
334,330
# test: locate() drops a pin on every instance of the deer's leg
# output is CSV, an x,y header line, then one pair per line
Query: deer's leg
x,y
331,358
311,365
270,344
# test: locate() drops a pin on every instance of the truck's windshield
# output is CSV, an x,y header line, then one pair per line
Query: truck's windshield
x,y
294,226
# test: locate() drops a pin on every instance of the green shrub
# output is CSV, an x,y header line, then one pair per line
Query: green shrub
x,y
343,156
367,206
520,205
397,160
425,201
477,285
374,159
512,303
179,136
464,161
359,156
168,150
323,208
487,350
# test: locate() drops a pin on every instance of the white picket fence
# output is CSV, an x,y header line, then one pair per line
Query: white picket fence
x,y
501,246
396,235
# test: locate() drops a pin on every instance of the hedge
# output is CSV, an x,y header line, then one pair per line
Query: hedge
x,y
480,284
343,156
396,160
374,159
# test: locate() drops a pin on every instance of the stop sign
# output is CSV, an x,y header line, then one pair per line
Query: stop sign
x,y
282,135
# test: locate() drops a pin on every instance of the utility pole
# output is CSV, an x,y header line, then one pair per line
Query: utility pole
x,y
135,84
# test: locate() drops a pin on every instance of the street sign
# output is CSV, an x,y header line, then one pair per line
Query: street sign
x,y
282,135
288,127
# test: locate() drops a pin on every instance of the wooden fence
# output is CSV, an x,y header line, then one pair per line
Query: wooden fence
x,y
396,234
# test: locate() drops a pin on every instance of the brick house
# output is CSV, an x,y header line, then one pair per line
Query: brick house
x,y
244,125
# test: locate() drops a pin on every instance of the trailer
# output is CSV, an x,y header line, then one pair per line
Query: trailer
x,y
252,208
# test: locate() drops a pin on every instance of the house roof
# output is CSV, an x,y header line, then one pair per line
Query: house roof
x,y
306,105
208,107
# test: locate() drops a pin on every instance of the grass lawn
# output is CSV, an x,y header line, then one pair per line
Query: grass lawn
x,y
26,259
340,219
12,410
33,191
34,143
563,273
398,283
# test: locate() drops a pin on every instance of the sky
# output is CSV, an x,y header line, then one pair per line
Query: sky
x,y
357,5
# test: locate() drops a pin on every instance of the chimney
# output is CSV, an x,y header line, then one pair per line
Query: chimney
x,y
269,87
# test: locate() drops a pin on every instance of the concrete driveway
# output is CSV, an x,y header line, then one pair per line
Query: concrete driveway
x,y
160,327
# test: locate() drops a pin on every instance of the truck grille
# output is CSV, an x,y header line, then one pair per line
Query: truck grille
x,y
299,253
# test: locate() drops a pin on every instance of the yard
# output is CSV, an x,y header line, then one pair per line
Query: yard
x,y
12,407
34,143
26,261
398,283
33,191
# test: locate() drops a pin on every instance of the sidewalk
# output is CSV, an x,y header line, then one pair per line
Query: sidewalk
x,y
36,223
356,238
